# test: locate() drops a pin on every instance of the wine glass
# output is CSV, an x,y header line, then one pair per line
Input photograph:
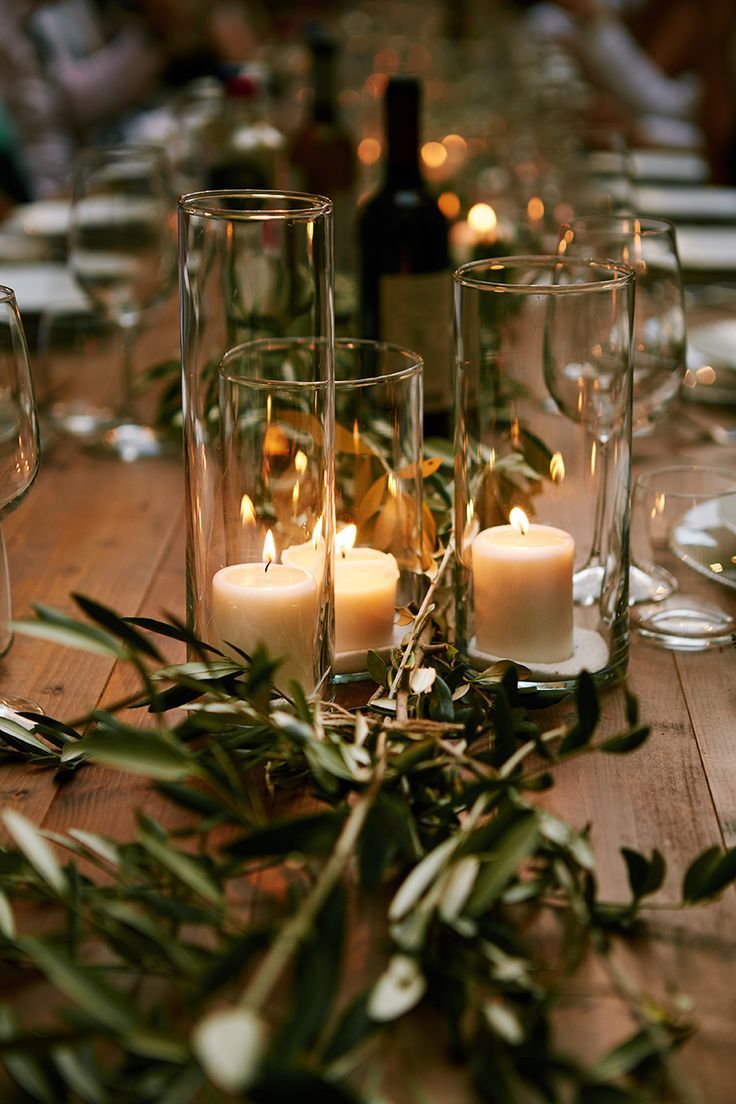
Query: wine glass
x,y
122,250
19,446
649,245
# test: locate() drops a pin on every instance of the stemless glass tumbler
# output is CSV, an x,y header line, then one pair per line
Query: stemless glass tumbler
x,y
543,463
253,265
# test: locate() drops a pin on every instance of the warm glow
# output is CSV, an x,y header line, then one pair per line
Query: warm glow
x,y
391,483
518,520
705,374
300,462
317,534
455,143
295,495
269,548
469,512
369,151
535,209
247,511
345,539
268,408
356,436
449,205
482,218
275,442
375,85
557,467
434,155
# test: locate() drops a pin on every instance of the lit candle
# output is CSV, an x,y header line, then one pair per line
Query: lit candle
x,y
365,590
270,604
522,587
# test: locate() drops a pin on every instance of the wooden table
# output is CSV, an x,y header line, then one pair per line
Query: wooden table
x,y
115,532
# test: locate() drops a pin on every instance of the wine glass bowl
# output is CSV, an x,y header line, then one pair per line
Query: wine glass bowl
x,y
122,251
649,245
19,441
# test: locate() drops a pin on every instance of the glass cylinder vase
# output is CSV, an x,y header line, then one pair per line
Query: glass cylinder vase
x,y
252,265
276,429
543,465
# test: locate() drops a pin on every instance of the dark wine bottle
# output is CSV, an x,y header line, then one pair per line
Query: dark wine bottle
x,y
405,283
322,151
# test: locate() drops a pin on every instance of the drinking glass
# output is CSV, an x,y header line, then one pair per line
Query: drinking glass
x,y
649,245
683,533
19,444
122,250
253,265
542,462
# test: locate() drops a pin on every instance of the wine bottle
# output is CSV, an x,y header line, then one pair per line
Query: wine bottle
x,y
322,152
249,151
405,283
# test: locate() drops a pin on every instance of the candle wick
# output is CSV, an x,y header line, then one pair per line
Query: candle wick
x,y
268,564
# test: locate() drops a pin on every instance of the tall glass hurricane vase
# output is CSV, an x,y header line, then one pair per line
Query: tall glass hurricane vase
x,y
543,446
19,447
253,265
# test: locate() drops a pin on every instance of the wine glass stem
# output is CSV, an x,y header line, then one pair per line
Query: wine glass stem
x,y
6,609
601,502
129,328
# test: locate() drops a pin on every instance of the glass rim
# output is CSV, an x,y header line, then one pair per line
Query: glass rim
x,y
300,206
118,151
464,276
7,294
647,479
412,369
648,224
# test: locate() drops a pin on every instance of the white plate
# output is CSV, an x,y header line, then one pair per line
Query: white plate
x,y
49,218
683,167
678,202
727,511
38,287
707,248
715,341
701,541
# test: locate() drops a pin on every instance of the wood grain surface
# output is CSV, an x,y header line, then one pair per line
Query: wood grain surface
x,y
115,532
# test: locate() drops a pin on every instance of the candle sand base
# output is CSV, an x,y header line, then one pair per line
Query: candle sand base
x,y
590,652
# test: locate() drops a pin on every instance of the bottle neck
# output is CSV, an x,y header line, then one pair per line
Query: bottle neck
x,y
323,106
402,136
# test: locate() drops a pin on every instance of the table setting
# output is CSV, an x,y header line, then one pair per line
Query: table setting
x,y
340,758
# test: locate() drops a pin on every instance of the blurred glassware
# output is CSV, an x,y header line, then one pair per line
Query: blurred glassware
x,y
77,390
19,440
684,536
122,250
649,245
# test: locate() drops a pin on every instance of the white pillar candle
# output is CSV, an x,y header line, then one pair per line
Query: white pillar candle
x,y
365,591
273,605
522,589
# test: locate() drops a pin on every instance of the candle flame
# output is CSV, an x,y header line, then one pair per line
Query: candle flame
x,y
295,495
317,534
247,510
518,520
300,462
269,548
356,437
482,218
345,539
391,484
557,467
268,408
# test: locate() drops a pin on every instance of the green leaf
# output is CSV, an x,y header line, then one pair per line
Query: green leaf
x,y
626,741
60,629
628,1056
77,1069
117,626
377,669
353,1029
398,989
504,739
184,867
82,985
230,1043
708,874
513,847
36,849
645,875
7,920
136,751
588,711
308,835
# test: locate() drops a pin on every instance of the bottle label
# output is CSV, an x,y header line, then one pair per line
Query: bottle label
x,y
416,311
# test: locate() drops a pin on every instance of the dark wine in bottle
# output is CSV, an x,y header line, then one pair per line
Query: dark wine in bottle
x,y
405,283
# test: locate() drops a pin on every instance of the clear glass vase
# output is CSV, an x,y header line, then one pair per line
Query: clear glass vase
x,y
543,465
253,266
